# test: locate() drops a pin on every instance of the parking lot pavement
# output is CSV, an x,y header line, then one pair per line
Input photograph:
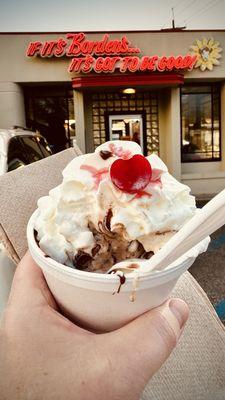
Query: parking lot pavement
x,y
209,271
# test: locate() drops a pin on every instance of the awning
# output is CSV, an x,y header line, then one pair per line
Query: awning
x,y
133,80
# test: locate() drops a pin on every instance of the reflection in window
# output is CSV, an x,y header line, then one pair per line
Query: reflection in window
x,y
32,149
43,144
200,123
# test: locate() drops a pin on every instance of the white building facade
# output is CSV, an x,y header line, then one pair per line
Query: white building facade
x,y
76,85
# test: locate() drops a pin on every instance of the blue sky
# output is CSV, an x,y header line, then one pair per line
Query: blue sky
x,y
74,15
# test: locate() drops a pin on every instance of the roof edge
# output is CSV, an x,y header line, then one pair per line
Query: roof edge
x,y
167,30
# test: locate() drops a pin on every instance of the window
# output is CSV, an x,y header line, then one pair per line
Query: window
x,y
200,110
127,127
50,110
16,156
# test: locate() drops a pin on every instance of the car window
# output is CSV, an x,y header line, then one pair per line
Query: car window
x,y
16,156
44,146
32,148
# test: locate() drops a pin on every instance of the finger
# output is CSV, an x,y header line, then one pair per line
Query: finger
x,y
29,286
142,346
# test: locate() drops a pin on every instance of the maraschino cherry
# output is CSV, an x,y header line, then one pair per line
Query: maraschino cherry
x,y
132,175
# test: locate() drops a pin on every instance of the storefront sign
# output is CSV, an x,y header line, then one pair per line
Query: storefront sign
x,y
106,55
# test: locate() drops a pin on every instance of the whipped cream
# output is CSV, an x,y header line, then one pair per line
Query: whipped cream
x,y
71,212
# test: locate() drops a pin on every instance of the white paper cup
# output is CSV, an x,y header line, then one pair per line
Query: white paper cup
x,y
88,298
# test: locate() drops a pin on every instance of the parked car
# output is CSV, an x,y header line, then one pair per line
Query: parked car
x,y
20,146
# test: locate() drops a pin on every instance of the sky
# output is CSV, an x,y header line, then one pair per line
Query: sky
x,y
105,15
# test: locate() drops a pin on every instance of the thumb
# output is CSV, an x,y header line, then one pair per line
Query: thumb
x,y
142,346
29,287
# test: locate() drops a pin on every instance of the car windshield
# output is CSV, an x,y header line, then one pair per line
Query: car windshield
x,y
16,155
26,149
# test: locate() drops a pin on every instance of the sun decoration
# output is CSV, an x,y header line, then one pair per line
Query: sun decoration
x,y
207,52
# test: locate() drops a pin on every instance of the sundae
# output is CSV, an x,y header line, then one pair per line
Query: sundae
x,y
112,205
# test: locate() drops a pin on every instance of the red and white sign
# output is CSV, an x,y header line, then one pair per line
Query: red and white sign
x,y
106,55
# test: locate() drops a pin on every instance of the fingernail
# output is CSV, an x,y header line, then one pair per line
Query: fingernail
x,y
180,310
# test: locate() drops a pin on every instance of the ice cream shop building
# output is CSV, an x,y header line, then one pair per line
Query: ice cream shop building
x,y
162,89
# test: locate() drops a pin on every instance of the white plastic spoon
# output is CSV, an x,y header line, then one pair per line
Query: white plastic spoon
x,y
207,220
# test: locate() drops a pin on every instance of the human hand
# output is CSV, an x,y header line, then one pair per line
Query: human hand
x,y
45,356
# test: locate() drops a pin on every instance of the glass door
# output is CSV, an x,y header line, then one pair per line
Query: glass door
x,y
126,127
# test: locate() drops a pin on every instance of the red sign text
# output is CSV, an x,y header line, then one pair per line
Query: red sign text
x,y
106,55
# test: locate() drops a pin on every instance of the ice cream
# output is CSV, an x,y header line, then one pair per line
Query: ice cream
x,y
112,204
